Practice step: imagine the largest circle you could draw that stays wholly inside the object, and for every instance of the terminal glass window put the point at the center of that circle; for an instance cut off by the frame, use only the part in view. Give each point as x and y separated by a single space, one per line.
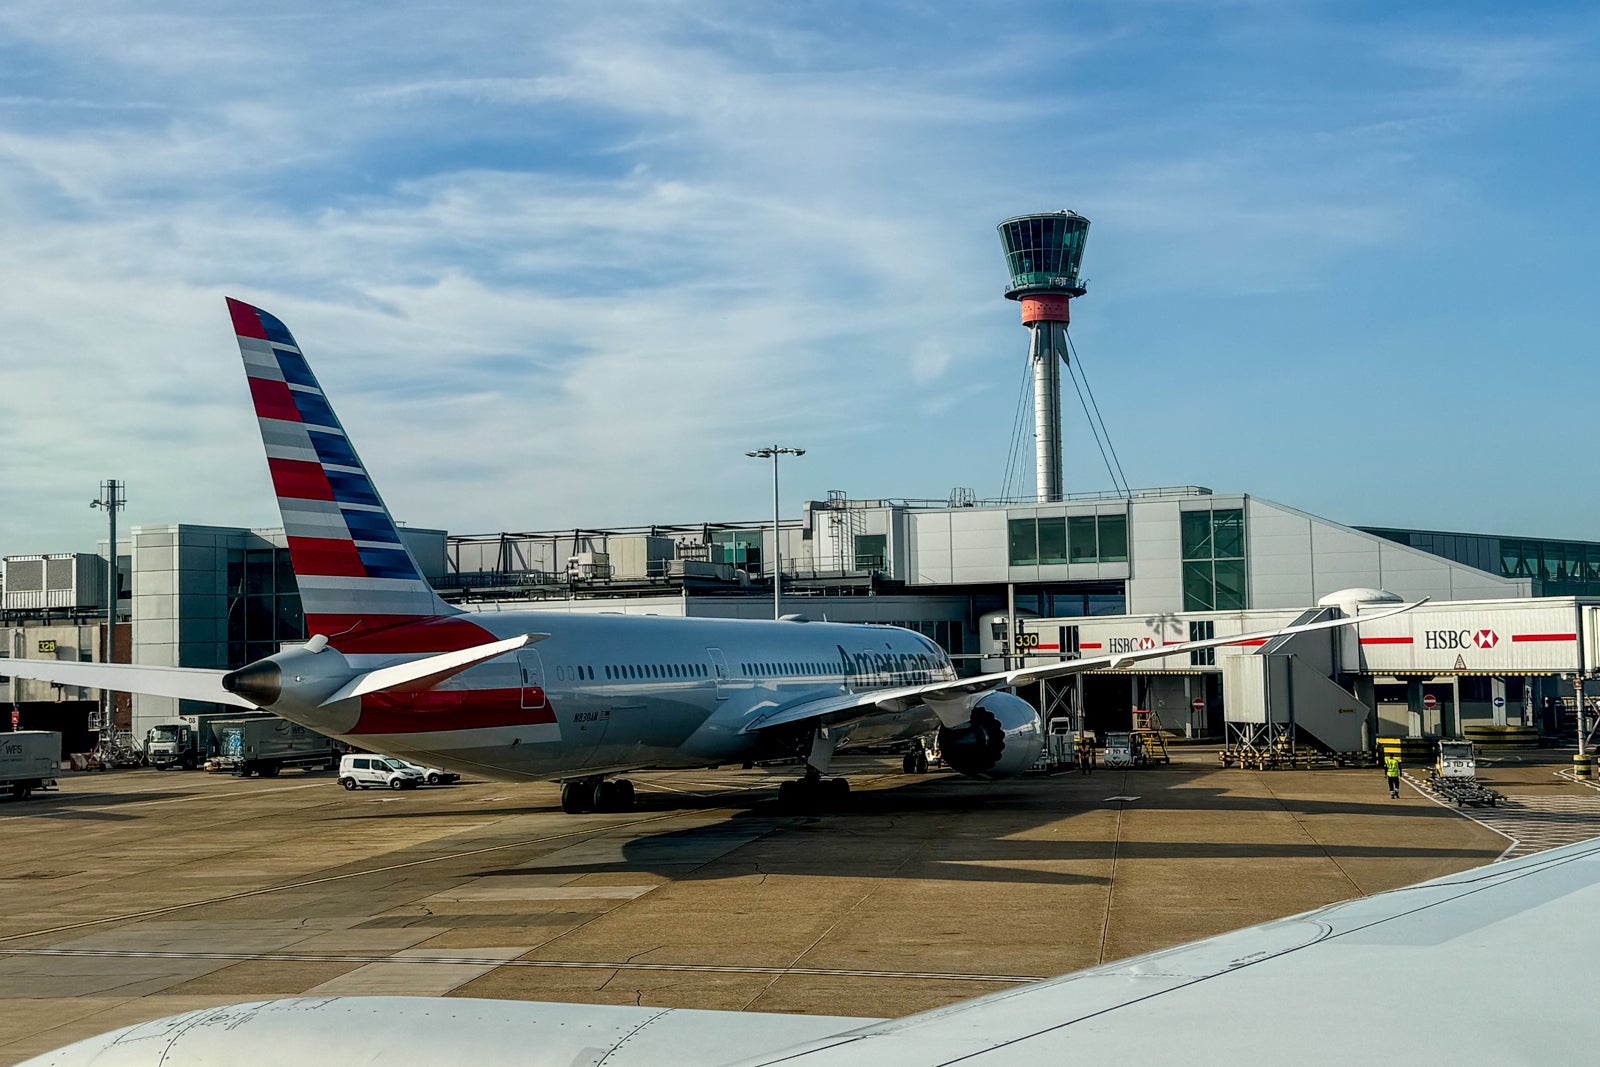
263 604
1074 539
1081 536
1053 540
1214 571
1113 538
1023 537
872 551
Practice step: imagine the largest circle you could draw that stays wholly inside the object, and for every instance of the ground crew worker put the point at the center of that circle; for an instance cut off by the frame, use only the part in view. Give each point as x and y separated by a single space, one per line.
1391 771
1085 755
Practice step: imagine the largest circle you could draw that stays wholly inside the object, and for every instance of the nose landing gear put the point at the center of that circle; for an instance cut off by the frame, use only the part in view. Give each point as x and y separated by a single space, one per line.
596 794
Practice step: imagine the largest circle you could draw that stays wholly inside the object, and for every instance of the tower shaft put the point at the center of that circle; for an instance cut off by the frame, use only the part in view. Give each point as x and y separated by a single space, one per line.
1047 355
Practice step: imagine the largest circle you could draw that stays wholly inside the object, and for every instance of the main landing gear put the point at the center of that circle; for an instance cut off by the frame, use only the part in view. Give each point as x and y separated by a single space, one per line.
814 792
915 761
596 794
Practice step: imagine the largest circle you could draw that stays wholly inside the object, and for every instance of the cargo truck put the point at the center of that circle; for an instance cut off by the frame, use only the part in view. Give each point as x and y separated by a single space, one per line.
266 745
29 760
189 740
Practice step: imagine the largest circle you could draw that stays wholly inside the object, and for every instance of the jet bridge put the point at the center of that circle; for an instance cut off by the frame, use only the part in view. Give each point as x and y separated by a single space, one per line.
1282 694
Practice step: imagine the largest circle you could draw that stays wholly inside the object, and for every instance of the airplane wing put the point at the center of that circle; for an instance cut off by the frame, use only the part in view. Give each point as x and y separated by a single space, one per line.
183 683
1489 966
1465 969
950 700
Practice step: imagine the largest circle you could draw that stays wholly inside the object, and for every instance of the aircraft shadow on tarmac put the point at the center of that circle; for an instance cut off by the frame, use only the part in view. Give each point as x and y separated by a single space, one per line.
86 807
991 847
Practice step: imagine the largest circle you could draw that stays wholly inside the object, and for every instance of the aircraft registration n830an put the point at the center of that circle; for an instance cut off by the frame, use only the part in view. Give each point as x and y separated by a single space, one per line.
553 696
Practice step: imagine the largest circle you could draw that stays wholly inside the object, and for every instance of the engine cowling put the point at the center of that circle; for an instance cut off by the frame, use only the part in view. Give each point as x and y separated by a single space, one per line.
1002 740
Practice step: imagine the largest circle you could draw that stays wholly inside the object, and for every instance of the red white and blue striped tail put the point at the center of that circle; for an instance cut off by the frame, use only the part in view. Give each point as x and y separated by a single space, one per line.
354 572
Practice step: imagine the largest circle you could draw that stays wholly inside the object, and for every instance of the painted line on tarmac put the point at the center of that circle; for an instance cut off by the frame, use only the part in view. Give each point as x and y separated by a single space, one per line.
1575 780
70 810
1426 795
487 961
306 883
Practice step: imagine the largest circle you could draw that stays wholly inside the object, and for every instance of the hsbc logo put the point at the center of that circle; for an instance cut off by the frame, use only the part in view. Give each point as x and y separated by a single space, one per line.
1451 640
1115 645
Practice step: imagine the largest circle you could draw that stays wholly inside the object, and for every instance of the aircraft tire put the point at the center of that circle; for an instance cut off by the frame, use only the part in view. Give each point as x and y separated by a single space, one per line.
837 790
578 797
622 792
908 763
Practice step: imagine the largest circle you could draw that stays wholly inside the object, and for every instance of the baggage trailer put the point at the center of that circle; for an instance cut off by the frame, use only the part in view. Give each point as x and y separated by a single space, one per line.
266 745
1455 776
29 760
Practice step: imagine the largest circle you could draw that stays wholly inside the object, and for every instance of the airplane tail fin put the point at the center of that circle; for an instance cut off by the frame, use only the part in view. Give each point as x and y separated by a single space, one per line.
355 573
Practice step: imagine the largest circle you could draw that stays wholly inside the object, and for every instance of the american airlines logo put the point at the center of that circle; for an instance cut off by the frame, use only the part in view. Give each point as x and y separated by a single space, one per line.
1130 644
1458 639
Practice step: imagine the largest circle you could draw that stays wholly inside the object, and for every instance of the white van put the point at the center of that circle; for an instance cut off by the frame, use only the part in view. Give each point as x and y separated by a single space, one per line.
358 772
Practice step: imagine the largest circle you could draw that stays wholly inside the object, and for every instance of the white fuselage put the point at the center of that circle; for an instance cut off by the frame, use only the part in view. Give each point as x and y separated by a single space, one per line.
605 693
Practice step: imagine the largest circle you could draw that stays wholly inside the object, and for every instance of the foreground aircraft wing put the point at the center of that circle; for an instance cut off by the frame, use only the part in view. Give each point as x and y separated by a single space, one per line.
1490 966
183 683
956 695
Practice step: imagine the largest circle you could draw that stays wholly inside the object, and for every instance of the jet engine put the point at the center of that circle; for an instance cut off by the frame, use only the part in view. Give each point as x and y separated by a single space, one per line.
1002 740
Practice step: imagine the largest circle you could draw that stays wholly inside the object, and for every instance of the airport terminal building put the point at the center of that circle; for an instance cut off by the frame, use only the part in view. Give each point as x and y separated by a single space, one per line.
1161 564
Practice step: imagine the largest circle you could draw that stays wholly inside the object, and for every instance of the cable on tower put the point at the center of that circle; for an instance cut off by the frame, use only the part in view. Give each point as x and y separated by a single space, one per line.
1119 480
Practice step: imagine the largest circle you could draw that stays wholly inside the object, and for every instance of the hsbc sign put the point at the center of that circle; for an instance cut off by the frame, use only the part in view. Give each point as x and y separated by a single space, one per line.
1115 645
1451 640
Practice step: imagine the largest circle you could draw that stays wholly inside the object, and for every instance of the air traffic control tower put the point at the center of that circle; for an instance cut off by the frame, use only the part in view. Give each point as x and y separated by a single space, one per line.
1043 253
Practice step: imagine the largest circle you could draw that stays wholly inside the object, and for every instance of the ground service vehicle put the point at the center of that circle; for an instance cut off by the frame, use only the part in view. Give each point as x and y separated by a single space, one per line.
359 772
434 775
266 745
172 744
189 740
29 760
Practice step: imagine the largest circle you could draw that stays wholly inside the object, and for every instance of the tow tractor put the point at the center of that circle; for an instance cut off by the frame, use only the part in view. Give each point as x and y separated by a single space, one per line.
1455 776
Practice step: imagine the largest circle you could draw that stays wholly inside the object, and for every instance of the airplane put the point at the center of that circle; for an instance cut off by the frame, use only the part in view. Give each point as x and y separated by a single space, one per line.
580 699
1489 966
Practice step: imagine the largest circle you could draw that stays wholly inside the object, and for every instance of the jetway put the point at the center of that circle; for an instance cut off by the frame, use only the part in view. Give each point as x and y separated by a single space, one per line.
1439 670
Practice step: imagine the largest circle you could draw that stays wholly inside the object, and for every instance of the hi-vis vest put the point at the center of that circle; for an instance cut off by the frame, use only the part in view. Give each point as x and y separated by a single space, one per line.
1391 766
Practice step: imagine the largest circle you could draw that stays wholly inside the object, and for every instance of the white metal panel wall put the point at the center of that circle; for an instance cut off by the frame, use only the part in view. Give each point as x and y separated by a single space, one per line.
929 548
1279 547
978 545
1244 689
1331 557
1155 554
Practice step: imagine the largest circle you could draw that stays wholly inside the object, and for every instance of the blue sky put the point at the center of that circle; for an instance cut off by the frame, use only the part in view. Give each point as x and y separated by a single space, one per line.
562 264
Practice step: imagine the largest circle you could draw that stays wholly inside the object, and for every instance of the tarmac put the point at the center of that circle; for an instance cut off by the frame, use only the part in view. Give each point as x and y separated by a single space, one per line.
134 894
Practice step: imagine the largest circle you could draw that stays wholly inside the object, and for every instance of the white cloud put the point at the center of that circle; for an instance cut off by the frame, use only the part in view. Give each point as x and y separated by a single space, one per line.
553 274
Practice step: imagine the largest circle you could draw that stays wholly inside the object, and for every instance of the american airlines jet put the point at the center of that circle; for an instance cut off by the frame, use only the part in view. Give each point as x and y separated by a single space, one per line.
578 699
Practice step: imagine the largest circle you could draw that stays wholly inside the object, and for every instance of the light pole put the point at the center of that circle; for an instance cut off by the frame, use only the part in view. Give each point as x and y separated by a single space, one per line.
113 496
773 452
